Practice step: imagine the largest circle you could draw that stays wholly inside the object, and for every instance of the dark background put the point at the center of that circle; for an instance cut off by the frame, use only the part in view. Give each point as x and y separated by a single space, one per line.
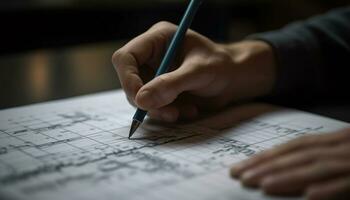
53 49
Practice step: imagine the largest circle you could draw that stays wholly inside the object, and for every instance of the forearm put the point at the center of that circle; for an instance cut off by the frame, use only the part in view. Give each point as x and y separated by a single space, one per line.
312 56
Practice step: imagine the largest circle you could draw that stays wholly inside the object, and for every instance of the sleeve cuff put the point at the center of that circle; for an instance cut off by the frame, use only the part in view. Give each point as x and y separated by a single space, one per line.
297 62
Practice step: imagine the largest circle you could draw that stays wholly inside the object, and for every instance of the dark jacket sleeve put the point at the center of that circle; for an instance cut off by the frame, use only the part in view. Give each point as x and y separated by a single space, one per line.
313 56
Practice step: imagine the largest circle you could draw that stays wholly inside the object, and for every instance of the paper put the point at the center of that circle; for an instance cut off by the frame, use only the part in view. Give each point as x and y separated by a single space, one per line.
78 149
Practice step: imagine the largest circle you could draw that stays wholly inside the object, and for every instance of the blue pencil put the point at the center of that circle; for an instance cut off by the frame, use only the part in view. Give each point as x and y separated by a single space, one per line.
169 56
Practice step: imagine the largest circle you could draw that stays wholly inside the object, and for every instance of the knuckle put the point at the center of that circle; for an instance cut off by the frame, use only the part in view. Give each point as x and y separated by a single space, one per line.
222 56
219 60
116 57
163 25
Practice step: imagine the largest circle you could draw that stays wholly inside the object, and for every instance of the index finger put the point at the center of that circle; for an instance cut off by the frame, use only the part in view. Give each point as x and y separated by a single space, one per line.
138 52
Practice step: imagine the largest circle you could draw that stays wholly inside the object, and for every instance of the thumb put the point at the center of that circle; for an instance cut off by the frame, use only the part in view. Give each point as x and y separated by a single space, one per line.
164 89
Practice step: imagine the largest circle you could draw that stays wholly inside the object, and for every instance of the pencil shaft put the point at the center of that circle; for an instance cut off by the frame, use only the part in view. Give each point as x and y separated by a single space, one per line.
179 36
171 52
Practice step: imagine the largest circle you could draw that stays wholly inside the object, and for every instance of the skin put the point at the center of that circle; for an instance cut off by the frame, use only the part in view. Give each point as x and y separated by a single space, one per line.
208 76
317 166
204 76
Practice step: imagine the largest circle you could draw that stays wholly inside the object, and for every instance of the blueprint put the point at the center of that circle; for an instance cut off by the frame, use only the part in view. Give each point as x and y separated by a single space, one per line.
78 149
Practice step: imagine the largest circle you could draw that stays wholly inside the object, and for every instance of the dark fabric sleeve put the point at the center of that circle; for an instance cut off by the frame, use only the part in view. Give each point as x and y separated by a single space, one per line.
313 56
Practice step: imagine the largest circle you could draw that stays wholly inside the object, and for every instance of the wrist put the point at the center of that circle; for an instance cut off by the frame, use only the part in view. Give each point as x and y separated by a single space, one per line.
254 67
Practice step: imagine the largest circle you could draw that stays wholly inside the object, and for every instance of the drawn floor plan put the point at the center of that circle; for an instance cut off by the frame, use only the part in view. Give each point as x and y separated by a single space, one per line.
78 149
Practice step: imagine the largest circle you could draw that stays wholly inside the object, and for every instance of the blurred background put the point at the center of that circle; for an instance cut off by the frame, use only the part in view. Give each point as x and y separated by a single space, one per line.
53 49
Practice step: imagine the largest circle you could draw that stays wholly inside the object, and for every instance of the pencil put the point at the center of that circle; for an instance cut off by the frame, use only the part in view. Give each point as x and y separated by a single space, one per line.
169 55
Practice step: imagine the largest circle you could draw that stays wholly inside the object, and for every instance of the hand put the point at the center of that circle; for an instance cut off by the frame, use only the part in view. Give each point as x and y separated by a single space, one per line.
317 165
205 75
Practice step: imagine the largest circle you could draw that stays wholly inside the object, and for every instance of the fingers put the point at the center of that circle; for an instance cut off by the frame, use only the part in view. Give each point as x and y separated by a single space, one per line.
144 49
168 113
163 90
304 163
295 145
254 176
294 181
338 189
174 112
128 73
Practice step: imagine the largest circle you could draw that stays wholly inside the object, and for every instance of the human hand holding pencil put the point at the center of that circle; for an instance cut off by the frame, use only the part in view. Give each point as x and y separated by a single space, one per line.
203 76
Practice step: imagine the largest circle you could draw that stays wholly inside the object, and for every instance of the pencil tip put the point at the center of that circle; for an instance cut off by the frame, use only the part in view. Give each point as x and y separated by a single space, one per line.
135 124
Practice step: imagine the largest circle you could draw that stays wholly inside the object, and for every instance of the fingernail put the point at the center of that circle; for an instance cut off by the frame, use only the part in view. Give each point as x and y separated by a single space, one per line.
236 170
145 100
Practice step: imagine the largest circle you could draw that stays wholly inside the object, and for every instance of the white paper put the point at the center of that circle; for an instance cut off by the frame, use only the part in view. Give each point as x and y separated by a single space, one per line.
78 149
